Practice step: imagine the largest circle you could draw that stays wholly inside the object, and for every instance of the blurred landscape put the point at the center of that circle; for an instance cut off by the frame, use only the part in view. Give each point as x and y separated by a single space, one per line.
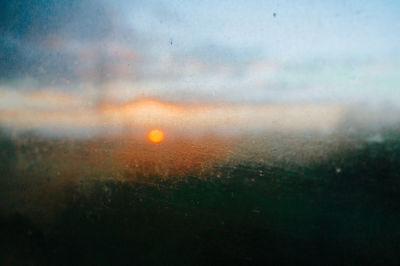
209 200
277 132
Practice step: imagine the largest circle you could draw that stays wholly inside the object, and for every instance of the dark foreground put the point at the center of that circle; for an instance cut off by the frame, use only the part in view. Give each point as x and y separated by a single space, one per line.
344 211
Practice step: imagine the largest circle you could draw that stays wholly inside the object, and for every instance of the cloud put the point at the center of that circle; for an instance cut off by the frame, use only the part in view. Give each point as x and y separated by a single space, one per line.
124 50
47 110
58 41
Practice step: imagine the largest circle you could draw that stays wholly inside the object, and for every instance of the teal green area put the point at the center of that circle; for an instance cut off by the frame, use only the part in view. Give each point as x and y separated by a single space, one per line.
343 211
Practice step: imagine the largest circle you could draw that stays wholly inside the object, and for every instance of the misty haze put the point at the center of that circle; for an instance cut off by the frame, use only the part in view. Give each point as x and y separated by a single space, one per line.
199 132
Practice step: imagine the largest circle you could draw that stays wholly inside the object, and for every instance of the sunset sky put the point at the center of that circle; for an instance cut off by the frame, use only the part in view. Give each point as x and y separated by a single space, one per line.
74 55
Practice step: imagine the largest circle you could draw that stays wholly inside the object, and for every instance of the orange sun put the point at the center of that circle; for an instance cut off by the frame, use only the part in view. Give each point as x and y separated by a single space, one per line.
156 136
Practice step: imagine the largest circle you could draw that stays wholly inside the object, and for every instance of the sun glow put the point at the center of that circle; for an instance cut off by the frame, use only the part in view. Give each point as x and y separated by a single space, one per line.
155 136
